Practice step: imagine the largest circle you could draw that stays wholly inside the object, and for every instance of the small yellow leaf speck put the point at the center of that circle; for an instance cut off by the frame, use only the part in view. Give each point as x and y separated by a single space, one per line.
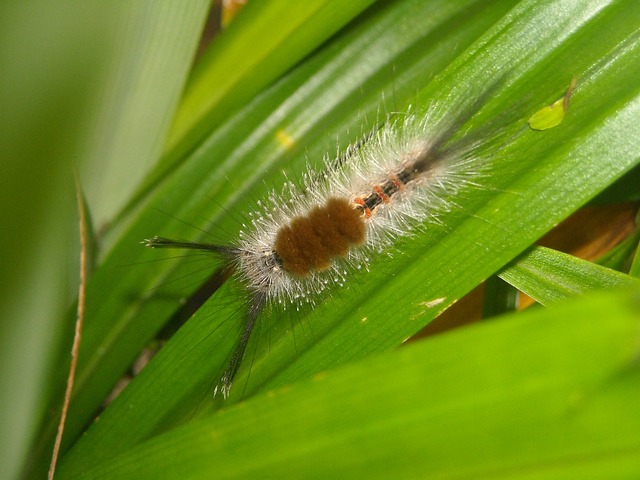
284 139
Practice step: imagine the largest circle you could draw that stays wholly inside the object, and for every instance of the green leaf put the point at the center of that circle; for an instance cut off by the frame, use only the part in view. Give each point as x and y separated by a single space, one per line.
548 276
549 394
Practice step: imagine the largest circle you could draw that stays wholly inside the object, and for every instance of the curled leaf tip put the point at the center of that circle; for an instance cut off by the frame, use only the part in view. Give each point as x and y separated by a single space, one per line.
552 115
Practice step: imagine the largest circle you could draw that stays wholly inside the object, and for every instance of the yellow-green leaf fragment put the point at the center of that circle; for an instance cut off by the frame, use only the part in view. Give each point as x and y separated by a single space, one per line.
552 115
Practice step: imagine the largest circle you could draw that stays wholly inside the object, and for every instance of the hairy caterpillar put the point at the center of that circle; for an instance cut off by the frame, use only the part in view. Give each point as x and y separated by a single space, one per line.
306 238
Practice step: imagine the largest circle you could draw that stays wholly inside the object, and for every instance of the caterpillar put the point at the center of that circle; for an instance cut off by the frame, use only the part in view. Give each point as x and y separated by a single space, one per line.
306 238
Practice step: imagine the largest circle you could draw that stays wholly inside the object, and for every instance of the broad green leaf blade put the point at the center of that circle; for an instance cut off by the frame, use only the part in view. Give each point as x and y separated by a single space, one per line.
548 276
153 51
535 180
133 293
549 394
